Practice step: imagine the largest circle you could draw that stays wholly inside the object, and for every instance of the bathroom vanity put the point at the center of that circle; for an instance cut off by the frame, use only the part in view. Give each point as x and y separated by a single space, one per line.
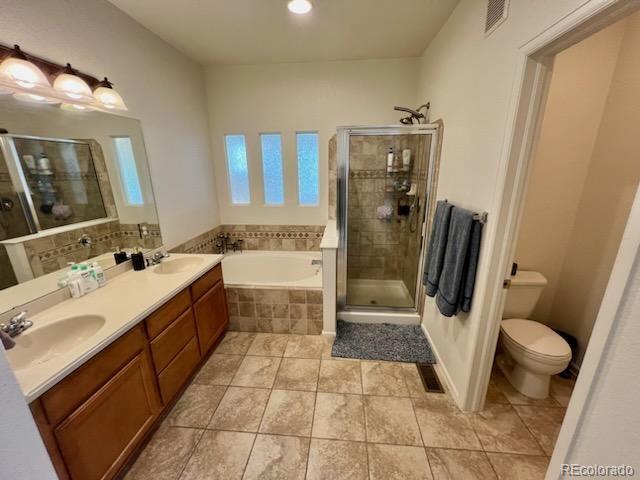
96 404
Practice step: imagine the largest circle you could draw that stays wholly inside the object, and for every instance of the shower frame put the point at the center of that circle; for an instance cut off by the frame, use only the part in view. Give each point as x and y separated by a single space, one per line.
382 313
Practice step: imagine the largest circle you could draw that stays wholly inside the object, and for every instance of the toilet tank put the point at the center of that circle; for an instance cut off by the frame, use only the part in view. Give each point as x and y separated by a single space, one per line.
522 296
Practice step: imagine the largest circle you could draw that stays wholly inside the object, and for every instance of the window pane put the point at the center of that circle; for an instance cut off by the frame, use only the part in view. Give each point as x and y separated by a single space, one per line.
128 171
308 168
238 169
272 168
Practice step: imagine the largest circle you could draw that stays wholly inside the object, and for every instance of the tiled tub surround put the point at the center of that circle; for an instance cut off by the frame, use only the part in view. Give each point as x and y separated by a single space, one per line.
279 406
301 238
275 310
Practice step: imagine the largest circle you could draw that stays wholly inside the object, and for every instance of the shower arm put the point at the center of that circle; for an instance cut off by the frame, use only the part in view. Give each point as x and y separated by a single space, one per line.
414 114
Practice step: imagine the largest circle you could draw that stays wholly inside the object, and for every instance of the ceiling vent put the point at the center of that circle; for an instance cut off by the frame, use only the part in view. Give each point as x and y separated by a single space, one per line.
497 11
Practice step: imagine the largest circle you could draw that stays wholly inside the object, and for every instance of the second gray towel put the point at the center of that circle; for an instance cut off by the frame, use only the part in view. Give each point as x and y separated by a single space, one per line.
437 247
454 268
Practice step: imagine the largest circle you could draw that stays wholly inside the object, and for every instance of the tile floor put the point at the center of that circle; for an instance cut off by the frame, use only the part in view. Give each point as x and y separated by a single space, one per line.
269 406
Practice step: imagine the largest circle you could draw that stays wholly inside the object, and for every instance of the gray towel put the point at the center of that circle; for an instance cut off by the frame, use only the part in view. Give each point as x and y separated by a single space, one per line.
469 277
437 247
450 287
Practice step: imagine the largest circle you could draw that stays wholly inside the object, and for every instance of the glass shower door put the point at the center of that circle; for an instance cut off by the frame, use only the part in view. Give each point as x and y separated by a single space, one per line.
384 211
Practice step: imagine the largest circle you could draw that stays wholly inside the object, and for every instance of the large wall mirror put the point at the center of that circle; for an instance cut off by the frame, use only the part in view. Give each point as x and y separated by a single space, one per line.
74 186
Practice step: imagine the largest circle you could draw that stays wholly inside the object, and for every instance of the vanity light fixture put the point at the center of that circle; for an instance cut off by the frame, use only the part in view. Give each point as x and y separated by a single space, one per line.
74 107
17 71
35 98
299 7
70 85
108 97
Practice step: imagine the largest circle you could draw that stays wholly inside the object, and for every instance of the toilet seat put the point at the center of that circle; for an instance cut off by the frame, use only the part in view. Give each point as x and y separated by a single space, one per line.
535 340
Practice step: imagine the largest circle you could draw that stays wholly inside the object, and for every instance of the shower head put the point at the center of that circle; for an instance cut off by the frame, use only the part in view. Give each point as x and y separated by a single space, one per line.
413 114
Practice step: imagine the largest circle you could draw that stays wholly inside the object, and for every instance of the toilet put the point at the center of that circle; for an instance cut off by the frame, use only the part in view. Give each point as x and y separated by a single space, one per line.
533 352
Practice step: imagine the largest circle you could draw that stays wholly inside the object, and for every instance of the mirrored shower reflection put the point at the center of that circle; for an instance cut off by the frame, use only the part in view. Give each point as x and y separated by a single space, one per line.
385 209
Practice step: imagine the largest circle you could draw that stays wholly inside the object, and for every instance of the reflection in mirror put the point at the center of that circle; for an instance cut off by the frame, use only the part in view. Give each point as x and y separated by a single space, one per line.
74 186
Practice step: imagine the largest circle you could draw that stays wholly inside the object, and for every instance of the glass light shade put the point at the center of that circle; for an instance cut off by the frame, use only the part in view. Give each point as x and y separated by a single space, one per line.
74 107
34 98
109 98
5 90
22 73
73 87
299 7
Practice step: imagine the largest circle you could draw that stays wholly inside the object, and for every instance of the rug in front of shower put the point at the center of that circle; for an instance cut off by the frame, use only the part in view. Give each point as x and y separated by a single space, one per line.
382 341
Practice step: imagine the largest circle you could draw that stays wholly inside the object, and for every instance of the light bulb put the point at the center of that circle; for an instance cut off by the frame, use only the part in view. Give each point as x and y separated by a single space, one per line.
299 7
72 86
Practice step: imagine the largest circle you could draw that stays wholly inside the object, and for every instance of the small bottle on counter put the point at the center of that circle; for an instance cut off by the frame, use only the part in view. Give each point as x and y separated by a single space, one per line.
120 256
137 259
98 273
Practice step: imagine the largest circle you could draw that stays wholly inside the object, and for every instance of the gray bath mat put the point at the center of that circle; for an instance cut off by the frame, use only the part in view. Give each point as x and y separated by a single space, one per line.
369 341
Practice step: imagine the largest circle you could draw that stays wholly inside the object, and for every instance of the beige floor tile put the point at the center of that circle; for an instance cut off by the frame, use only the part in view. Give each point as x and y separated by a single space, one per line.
259 372
393 462
443 425
298 374
327 345
166 454
289 413
391 420
515 397
459 464
495 395
268 345
561 389
340 376
196 406
236 343
519 467
413 380
304 346
240 409
334 459
383 378
276 457
339 416
219 456
544 423
500 430
219 370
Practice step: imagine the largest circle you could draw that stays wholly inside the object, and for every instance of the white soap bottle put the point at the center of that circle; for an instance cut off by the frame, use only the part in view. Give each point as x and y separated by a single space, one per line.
98 274
89 282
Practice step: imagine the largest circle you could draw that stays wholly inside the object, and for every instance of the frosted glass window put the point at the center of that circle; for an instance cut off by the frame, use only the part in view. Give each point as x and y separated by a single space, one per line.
272 168
307 144
238 169
128 171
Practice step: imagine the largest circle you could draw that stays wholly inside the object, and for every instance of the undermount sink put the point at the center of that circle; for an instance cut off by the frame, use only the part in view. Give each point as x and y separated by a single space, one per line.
42 344
177 265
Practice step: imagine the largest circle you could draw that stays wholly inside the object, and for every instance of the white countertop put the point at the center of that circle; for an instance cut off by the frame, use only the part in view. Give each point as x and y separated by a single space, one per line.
124 301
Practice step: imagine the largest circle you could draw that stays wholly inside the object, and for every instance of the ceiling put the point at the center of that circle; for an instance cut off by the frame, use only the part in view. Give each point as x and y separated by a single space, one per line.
215 32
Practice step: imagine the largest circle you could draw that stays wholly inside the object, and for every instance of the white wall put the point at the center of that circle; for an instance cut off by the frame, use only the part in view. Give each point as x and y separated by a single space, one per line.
292 97
161 87
469 79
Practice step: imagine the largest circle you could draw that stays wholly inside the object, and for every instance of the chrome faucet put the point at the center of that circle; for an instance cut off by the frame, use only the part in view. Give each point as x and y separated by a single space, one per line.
224 244
85 240
157 258
17 324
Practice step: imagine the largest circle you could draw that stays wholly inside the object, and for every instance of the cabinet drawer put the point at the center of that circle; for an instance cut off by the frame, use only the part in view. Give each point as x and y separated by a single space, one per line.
161 318
205 282
70 392
97 438
173 339
179 370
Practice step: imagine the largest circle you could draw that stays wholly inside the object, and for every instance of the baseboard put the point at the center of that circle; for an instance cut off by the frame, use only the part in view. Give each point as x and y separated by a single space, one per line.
442 369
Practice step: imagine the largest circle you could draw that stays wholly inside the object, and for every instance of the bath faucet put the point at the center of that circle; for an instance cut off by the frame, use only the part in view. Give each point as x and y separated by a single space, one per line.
17 324
157 258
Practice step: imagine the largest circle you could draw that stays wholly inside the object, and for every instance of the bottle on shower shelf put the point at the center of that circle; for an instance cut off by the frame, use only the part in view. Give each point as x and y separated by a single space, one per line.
390 160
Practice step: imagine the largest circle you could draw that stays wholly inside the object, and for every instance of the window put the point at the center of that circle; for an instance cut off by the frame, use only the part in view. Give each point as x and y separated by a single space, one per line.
128 171
238 169
272 168
307 147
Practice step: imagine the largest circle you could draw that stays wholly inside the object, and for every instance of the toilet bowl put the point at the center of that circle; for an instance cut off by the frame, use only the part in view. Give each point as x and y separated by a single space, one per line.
533 353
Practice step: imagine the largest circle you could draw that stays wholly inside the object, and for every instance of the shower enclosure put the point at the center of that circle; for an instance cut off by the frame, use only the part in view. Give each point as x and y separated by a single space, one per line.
386 179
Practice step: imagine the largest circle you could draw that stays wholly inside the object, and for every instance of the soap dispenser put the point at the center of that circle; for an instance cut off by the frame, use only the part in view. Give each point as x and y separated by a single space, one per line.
119 256
137 259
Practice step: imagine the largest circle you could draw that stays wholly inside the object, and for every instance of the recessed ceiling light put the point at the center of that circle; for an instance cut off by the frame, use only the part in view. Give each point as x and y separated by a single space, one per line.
300 7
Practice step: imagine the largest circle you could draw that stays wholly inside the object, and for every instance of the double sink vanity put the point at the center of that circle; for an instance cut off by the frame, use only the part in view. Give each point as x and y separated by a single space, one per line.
99 372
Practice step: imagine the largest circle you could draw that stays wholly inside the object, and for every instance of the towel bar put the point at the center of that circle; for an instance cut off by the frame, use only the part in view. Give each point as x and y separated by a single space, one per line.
481 217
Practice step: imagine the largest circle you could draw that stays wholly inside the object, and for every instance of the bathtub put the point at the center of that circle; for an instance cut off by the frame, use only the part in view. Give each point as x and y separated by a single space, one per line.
274 292
272 269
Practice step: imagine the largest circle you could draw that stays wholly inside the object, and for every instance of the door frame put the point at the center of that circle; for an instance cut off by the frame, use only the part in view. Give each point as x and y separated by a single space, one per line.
534 70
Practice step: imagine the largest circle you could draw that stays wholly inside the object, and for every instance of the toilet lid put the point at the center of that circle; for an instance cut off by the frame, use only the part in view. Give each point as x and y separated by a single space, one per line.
536 337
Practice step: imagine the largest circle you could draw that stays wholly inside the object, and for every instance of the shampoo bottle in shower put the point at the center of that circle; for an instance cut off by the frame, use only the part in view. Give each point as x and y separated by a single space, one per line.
390 160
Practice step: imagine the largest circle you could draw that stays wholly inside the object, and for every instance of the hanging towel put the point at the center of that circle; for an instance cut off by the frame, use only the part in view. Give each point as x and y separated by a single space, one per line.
7 342
451 284
469 277
437 247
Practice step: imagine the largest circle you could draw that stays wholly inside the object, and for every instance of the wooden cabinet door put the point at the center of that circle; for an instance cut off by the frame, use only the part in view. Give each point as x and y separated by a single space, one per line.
97 437
211 316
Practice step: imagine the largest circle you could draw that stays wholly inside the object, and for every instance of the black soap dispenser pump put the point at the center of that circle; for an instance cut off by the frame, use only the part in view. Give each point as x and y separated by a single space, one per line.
120 256
137 259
